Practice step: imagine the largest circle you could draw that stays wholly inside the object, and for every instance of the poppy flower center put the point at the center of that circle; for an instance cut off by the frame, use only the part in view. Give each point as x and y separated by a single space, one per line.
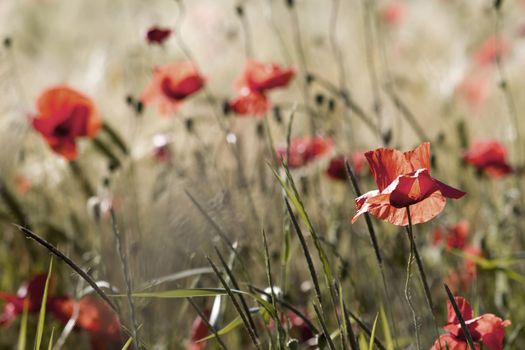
62 130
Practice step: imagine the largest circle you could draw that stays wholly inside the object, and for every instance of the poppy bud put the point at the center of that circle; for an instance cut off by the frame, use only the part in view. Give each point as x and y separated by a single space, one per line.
497 4
106 182
189 124
240 10
8 42
290 3
441 138
387 136
309 78
260 129
93 206
130 100
319 99
113 165
331 105
277 114
226 109
139 107
433 161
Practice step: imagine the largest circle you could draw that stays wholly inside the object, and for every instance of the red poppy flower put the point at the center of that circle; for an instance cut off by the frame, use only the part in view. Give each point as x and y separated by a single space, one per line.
296 326
171 84
336 168
256 80
304 150
403 180
157 35
250 103
393 13
33 291
261 77
63 116
454 235
490 50
487 330
488 156
94 316
199 330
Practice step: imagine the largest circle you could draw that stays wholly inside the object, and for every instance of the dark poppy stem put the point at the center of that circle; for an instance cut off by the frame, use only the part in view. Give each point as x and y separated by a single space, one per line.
464 327
422 274
408 294
30 234
373 239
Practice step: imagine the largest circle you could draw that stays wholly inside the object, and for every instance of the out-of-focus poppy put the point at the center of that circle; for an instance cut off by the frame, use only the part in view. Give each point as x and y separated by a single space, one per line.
488 156
94 316
474 90
394 12
261 77
461 279
455 236
490 50
171 85
249 103
64 115
305 150
403 180
33 291
487 330
336 168
157 35
256 80
199 330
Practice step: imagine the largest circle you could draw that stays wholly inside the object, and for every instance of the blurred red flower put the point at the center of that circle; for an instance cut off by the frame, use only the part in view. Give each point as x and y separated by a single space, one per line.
199 330
171 84
94 316
461 279
33 291
487 330
490 50
394 12
488 156
64 115
304 150
474 90
257 79
157 35
403 180
249 103
261 77
336 168
455 235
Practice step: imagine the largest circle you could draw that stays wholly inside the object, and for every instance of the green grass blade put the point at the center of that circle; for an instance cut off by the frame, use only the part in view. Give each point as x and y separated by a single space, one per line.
23 327
182 293
128 343
50 345
42 315
373 335
236 323
389 343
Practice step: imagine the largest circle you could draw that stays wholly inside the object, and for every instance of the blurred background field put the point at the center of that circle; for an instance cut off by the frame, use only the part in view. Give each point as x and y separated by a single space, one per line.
448 72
